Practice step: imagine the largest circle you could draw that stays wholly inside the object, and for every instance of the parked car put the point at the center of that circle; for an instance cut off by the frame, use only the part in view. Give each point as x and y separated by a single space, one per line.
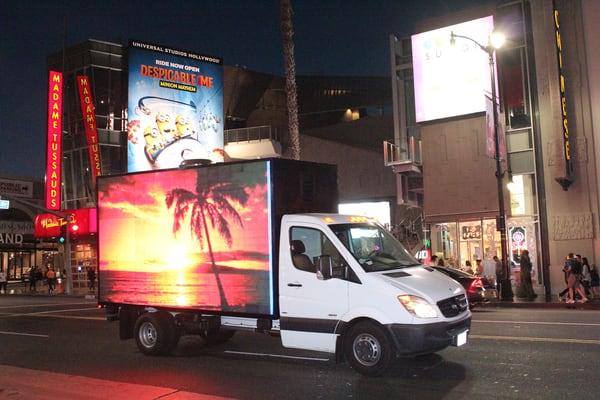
479 290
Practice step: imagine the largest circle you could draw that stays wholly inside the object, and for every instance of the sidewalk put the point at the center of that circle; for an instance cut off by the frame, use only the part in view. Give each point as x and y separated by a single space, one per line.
541 302
20 383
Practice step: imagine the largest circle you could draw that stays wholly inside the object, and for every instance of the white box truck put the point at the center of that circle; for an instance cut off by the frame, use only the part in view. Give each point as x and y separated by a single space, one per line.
257 245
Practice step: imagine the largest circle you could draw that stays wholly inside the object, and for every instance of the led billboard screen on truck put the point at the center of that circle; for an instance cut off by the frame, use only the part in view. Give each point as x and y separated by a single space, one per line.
195 238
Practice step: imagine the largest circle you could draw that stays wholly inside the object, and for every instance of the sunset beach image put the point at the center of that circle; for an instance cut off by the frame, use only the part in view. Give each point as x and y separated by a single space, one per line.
194 238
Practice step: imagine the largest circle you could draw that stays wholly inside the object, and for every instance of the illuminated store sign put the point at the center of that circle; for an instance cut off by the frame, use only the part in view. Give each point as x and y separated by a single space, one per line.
563 99
89 122
175 107
471 232
54 141
451 80
49 225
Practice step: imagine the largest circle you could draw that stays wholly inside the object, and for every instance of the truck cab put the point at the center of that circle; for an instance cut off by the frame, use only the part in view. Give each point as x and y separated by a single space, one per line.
347 286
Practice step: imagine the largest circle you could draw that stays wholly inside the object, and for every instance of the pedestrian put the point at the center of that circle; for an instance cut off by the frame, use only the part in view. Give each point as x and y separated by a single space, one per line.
574 268
468 267
525 289
32 279
3 281
499 273
440 262
478 268
434 261
51 277
91 275
595 281
563 294
586 276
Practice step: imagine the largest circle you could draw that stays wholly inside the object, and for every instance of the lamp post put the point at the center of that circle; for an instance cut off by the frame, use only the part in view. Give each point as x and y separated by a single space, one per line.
496 40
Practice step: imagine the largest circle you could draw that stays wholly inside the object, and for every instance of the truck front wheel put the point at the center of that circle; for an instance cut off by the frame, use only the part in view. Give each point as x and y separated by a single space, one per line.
368 349
156 333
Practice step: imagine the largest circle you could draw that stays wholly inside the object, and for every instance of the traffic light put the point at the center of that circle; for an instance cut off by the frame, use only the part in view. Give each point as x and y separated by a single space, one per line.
63 234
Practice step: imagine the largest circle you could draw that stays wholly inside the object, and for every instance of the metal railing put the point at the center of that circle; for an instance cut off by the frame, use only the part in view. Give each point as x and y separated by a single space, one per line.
392 153
254 133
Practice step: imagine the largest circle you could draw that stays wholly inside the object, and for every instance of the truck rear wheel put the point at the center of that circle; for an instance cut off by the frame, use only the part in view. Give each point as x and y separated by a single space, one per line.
368 349
156 333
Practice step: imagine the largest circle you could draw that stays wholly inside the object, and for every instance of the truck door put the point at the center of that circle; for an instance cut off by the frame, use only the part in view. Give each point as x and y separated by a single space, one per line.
310 308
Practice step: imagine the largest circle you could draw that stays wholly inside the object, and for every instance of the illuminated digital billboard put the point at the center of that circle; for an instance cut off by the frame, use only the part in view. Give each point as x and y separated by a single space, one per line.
451 80
175 107
191 238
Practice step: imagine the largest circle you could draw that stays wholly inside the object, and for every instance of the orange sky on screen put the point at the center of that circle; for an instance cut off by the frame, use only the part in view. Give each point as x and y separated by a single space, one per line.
136 227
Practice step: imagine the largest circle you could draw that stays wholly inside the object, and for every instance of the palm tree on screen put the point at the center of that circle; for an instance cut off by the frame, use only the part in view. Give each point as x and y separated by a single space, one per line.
211 203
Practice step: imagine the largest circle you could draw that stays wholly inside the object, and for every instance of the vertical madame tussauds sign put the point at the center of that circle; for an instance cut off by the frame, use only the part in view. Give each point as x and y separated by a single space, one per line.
54 140
89 122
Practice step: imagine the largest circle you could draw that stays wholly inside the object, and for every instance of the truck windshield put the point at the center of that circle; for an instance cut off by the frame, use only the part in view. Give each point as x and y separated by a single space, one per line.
373 247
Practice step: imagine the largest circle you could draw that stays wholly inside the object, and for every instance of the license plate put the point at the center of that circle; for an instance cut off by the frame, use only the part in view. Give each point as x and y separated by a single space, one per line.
461 339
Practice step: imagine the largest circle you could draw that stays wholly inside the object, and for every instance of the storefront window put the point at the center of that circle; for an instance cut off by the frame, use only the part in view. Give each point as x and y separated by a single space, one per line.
471 249
444 243
522 235
522 195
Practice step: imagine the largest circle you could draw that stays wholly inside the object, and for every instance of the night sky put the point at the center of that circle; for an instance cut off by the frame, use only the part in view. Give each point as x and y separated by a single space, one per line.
332 37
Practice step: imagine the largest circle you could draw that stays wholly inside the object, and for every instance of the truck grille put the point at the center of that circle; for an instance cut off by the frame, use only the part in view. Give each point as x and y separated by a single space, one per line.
453 306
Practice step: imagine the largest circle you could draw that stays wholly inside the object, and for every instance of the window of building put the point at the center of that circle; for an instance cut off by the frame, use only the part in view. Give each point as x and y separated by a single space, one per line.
444 241
522 195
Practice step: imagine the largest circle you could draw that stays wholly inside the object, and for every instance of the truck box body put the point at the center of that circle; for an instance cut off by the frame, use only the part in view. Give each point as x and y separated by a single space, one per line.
204 238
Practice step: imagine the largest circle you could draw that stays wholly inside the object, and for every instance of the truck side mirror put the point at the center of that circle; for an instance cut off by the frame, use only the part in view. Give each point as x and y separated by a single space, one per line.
324 266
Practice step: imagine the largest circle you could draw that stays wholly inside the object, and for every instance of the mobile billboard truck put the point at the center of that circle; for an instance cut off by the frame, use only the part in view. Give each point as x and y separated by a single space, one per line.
256 246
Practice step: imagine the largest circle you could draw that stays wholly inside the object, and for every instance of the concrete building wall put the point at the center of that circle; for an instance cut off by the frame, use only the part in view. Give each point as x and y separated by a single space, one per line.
459 179
573 213
361 173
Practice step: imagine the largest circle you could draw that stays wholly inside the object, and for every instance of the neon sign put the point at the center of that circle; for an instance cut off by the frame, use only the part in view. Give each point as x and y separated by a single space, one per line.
54 141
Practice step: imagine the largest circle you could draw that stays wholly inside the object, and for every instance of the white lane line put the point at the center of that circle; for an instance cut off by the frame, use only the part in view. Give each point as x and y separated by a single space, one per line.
51 312
23 334
70 317
276 355
537 323
45 304
535 339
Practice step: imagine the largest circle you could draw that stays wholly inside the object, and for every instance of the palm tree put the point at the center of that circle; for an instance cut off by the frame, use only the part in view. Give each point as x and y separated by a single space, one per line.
287 31
211 202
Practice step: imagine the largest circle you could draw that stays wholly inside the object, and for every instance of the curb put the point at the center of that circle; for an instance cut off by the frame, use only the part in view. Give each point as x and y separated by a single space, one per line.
594 305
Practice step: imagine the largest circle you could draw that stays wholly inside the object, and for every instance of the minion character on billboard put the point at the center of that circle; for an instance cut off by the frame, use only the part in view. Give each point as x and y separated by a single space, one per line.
177 102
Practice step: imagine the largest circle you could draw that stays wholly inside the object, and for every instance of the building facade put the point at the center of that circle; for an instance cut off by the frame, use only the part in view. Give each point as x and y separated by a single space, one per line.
343 121
548 101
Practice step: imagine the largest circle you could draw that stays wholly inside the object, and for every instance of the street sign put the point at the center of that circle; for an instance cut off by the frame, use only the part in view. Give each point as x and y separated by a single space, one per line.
4 204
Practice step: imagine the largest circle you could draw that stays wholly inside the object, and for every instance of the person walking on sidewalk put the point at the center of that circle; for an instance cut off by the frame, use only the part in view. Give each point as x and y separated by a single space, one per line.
586 276
595 281
574 269
91 275
525 289
3 281
51 277
32 279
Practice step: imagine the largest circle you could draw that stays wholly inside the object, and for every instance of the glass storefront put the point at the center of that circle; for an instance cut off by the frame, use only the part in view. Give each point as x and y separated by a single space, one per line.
468 241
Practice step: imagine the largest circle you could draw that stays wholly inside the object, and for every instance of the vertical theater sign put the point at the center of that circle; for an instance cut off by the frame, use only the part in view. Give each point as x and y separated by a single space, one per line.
89 122
54 140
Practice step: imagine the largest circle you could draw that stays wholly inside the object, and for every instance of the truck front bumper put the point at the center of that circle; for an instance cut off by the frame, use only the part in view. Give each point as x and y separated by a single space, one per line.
426 338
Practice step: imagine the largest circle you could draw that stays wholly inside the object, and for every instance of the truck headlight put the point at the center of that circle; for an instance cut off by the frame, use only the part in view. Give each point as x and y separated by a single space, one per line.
418 306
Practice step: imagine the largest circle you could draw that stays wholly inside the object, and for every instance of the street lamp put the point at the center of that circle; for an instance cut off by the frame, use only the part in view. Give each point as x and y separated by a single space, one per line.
495 41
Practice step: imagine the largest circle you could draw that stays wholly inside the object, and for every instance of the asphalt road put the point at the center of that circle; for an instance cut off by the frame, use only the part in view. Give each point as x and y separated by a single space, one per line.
511 354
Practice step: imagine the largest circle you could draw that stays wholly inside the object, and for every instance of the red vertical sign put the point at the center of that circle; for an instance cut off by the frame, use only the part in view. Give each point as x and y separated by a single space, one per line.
54 141
89 121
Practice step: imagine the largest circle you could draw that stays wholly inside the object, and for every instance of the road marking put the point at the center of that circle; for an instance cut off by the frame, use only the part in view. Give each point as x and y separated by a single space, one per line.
535 339
537 323
23 334
46 304
49 314
276 355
